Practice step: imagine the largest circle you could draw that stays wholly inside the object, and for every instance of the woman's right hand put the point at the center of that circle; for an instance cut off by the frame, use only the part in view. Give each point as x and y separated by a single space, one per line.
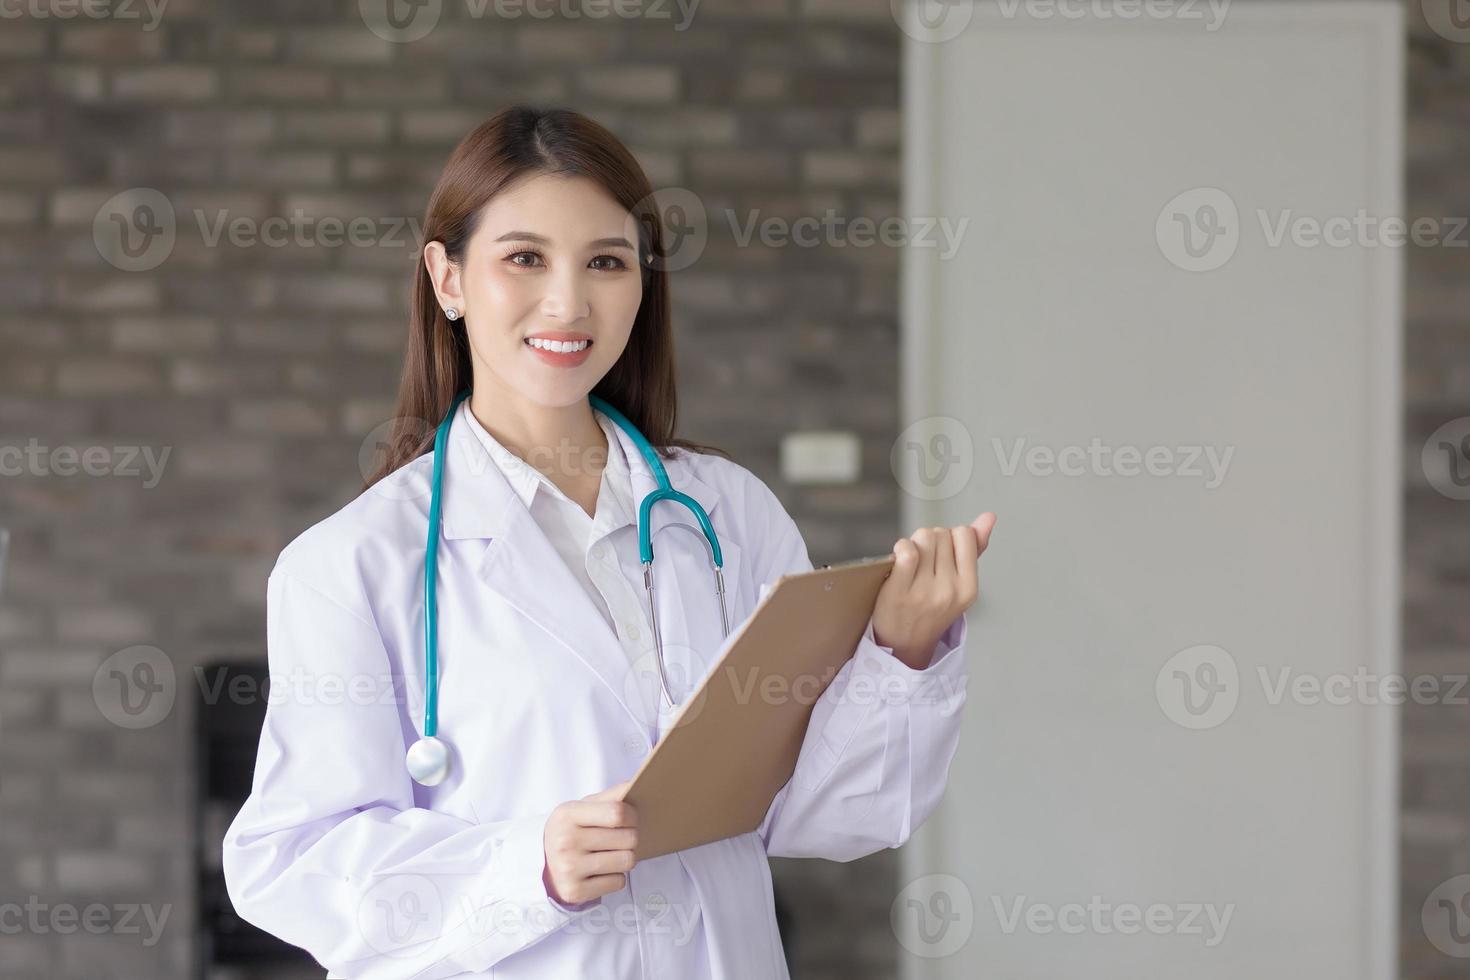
589 846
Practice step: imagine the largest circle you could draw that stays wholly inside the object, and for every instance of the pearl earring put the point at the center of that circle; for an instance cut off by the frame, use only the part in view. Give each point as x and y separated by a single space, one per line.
452 313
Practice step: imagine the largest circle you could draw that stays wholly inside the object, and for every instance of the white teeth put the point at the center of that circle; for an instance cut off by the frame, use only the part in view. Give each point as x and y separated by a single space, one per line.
558 346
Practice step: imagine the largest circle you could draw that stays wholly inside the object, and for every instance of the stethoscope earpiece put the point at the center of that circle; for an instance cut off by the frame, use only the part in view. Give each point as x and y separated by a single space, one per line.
428 758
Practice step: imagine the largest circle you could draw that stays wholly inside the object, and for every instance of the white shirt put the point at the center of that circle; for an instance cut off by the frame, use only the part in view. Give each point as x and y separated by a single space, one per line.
577 537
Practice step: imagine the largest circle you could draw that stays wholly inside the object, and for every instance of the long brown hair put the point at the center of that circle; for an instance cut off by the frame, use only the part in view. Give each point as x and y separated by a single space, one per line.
516 142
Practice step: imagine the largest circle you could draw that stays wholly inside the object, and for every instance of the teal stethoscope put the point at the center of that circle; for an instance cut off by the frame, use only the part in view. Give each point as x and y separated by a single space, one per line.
428 758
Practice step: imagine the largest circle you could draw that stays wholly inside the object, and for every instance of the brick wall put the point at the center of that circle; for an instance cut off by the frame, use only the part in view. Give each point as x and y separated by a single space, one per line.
260 369
1436 611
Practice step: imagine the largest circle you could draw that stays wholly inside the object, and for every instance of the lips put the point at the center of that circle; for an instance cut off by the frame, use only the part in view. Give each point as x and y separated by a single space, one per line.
560 358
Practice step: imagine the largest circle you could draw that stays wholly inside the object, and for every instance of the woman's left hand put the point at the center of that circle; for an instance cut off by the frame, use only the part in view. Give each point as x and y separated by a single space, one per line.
934 579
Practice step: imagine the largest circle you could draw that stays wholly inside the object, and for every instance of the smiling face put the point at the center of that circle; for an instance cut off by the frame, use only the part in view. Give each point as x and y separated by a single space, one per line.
548 290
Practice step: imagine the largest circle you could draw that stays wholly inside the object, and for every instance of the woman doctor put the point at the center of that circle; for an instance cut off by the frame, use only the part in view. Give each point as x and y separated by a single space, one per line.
509 855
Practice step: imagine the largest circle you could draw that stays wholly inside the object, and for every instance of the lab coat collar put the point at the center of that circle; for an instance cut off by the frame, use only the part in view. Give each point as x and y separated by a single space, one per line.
520 564
614 511
480 501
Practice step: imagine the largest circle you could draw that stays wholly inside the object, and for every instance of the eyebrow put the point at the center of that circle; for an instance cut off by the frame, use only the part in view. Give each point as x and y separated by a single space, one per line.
531 236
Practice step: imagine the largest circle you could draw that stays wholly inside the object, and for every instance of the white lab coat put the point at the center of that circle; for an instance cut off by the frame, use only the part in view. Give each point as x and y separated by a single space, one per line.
338 851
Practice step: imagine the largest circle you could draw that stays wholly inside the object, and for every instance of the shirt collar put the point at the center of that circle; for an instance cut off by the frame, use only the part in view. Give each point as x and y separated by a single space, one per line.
526 480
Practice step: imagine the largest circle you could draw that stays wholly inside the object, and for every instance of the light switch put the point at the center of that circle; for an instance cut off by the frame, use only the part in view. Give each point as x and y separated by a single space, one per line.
821 457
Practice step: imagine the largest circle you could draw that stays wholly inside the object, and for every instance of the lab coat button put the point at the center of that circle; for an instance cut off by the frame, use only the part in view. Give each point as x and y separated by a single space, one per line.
598 550
632 631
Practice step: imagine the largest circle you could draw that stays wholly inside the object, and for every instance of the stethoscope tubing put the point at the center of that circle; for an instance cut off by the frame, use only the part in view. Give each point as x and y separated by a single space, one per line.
428 757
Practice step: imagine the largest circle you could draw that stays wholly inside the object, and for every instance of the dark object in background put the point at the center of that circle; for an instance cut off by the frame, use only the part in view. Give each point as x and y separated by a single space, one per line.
226 733
786 926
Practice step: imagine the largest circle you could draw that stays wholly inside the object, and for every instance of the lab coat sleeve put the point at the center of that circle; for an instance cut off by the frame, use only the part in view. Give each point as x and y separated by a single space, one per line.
330 852
877 751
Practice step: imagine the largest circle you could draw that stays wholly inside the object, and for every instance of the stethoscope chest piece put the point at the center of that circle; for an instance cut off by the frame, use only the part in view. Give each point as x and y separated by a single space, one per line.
428 761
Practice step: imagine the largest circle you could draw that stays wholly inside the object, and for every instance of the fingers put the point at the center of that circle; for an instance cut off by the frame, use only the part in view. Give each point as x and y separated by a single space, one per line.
943 553
983 525
603 813
905 565
966 558
608 838
948 554
596 863
924 539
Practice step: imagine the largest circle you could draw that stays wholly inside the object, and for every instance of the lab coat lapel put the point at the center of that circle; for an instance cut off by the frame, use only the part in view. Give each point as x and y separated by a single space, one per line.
520 564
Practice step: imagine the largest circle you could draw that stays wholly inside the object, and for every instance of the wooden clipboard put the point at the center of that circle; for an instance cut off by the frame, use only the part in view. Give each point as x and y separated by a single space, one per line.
733 743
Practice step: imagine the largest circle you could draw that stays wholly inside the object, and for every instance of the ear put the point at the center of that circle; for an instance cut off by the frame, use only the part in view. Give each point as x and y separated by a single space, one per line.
444 275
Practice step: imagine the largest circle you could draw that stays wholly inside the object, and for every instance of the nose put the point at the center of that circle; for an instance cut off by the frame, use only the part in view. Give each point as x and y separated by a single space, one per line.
566 295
